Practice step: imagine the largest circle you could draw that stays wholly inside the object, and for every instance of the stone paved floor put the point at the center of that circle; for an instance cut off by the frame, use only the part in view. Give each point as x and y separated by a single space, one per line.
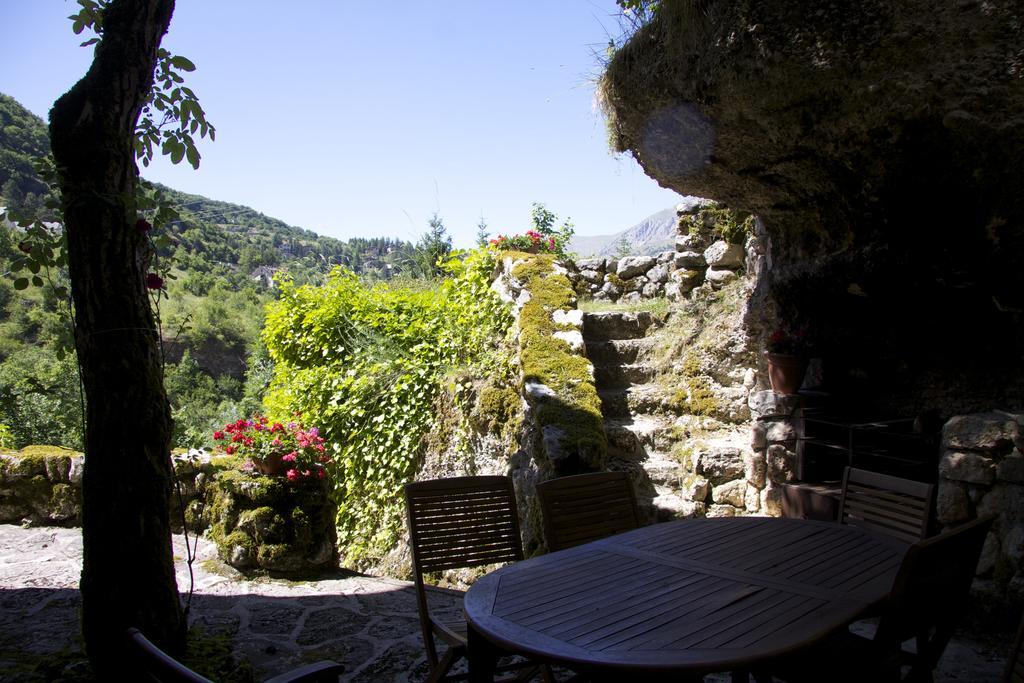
369 624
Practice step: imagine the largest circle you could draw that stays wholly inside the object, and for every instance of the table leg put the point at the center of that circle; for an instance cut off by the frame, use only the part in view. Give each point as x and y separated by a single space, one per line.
481 656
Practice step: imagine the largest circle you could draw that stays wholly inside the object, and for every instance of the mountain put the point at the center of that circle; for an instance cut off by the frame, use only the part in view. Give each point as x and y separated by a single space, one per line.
652 235
223 257
212 231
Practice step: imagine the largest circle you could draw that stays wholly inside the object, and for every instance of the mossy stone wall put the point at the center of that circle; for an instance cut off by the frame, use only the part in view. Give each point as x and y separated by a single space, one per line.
268 523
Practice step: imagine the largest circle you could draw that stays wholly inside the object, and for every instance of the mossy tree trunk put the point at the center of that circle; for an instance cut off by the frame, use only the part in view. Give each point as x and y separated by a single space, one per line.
128 572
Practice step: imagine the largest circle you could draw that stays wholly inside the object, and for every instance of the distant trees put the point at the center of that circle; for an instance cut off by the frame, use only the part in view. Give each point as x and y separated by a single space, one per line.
431 248
483 233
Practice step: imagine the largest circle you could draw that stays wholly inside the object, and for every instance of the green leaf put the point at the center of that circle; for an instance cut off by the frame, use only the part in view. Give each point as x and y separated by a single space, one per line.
183 63
193 156
37 281
91 41
21 283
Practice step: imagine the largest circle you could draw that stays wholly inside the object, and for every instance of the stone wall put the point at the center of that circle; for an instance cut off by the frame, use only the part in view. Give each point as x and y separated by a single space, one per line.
981 472
701 255
42 486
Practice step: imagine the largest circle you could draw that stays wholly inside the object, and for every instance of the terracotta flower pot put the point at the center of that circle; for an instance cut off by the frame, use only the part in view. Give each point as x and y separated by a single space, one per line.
273 464
786 372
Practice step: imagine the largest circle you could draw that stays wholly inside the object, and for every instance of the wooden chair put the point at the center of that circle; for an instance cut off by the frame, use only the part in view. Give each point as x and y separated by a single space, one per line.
458 523
890 505
929 595
1015 662
586 507
155 666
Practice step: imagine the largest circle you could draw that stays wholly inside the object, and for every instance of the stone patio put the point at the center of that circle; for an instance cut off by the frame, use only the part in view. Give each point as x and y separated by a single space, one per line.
368 624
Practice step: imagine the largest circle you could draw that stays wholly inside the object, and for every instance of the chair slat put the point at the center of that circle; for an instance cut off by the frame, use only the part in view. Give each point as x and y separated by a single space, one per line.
892 505
586 507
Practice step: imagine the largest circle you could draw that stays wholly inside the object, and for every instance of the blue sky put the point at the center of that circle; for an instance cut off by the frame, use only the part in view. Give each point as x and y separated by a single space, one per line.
363 119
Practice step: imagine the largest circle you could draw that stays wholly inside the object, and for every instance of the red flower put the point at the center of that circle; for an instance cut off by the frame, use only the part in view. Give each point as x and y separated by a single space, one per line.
142 225
217 436
230 450
236 437
320 474
154 281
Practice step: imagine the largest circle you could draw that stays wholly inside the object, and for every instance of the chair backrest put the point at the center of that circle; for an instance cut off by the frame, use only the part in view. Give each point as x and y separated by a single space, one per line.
152 665
586 507
155 665
932 589
462 522
891 505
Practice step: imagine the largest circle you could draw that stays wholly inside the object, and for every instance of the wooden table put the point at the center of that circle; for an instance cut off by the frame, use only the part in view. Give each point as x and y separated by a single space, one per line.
687 597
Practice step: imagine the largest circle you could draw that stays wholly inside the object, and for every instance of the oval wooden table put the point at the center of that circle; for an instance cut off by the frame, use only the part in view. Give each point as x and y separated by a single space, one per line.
682 598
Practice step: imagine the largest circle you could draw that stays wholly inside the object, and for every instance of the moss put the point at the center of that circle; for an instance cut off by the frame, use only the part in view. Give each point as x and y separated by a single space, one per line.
212 656
616 280
302 529
265 524
550 361
702 399
236 539
497 408
45 452
226 462
276 555
259 489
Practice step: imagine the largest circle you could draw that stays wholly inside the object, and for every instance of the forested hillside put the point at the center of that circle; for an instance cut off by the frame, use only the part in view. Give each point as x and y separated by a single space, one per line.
224 257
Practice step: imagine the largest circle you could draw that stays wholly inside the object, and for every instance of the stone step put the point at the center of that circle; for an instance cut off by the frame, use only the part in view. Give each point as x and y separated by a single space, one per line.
607 376
618 351
622 402
616 325
631 434
664 471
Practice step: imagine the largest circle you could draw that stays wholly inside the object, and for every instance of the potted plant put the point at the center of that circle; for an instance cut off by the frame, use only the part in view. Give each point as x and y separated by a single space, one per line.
275 448
787 360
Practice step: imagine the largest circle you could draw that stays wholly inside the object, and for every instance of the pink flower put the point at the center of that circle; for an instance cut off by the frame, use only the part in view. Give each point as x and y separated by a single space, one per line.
320 474
275 442
293 475
154 281
291 457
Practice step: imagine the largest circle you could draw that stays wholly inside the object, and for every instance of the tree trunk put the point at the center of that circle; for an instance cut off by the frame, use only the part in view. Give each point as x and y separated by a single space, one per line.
128 572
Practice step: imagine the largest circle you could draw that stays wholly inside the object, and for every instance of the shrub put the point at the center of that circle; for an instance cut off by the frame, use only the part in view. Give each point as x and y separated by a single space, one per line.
365 364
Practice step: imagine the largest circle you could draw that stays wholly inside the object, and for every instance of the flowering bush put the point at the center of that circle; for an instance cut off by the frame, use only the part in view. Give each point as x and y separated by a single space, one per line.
276 448
532 242
543 238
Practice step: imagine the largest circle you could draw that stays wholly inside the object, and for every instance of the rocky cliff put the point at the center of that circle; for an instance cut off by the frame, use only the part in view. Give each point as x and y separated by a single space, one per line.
878 142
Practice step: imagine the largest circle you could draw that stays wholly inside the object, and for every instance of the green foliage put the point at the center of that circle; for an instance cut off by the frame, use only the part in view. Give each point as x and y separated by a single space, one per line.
23 139
171 115
364 363
6 438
